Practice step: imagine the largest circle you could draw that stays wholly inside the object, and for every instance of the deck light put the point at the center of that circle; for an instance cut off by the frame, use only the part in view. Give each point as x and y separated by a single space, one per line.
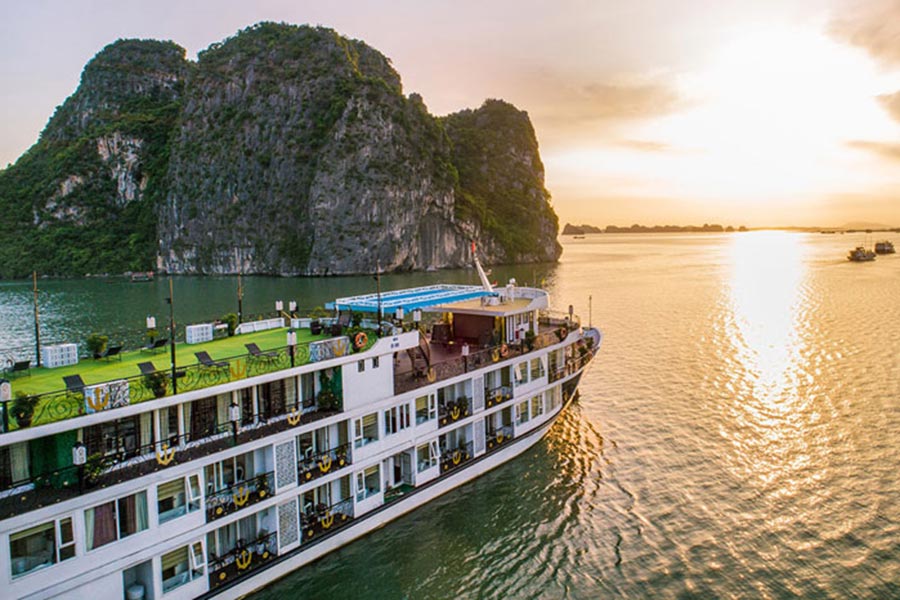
79 459
279 305
291 342
292 306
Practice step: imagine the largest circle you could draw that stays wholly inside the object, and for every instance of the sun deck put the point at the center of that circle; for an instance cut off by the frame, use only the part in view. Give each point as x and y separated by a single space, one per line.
54 402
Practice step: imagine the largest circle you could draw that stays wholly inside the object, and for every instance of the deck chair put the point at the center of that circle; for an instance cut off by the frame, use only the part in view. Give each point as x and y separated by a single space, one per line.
207 361
255 352
147 368
20 366
74 384
113 351
157 345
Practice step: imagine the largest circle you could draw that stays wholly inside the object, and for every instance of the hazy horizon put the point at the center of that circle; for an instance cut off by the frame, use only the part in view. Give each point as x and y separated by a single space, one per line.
776 114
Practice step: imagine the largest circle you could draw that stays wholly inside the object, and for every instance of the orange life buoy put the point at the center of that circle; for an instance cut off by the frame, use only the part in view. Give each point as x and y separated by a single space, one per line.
360 340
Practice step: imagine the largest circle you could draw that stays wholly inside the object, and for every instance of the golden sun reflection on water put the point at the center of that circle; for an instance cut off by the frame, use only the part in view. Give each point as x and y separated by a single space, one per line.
766 325
767 271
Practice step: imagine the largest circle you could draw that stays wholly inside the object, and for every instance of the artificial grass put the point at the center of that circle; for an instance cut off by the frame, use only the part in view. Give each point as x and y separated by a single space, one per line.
43 380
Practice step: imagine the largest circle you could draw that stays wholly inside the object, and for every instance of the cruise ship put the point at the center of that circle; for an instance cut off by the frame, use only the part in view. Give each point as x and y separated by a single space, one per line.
201 471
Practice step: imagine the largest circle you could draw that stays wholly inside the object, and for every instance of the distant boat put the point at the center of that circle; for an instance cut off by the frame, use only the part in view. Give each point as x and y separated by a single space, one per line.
860 254
884 247
140 276
578 237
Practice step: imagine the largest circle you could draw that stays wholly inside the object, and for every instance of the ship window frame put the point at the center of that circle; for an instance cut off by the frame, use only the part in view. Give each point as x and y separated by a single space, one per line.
194 568
362 477
360 426
522 414
430 408
537 406
56 548
120 534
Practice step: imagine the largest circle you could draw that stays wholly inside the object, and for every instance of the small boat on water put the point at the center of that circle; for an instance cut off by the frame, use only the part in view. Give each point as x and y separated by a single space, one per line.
139 276
578 237
884 247
860 254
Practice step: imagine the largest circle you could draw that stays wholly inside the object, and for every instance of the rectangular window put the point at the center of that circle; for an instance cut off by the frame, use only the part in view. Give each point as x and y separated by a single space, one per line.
368 482
396 419
537 406
360 366
522 412
427 456
182 566
178 497
115 520
426 408
375 362
41 546
520 370
537 368
365 430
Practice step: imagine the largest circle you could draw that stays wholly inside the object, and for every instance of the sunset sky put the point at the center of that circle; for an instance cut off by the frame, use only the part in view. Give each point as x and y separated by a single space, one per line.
771 112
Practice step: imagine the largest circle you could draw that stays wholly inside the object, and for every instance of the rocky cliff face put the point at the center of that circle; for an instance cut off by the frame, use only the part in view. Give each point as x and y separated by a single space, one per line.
284 149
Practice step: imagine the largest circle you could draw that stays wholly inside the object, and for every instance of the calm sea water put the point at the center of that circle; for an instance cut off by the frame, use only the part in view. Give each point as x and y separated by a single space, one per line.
735 438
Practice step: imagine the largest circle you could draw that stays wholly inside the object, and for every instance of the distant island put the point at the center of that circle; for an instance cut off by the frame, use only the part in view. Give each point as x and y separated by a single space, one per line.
570 229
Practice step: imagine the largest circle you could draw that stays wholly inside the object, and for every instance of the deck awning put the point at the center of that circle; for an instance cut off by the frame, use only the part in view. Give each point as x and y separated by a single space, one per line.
411 298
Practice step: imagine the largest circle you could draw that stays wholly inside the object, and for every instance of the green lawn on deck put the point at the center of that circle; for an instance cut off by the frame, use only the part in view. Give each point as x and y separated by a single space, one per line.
93 371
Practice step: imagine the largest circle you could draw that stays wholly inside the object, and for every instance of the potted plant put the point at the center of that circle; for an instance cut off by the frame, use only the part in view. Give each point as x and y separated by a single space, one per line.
23 408
157 382
327 400
231 320
96 344
529 340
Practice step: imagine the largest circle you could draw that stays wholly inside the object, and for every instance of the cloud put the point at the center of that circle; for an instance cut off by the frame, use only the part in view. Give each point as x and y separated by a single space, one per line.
882 149
891 103
873 25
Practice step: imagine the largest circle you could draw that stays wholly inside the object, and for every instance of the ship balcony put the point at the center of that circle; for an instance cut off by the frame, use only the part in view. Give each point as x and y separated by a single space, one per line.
498 395
447 359
239 496
244 559
314 466
452 411
322 519
498 438
456 457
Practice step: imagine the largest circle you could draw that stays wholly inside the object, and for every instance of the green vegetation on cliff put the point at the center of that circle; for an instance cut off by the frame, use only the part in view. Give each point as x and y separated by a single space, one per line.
283 149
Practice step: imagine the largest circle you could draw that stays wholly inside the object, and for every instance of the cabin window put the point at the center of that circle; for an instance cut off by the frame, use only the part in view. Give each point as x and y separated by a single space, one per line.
365 430
123 437
360 366
520 370
537 406
368 482
537 368
182 566
522 412
178 497
41 546
115 520
396 419
426 408
427 455
375 362
554 398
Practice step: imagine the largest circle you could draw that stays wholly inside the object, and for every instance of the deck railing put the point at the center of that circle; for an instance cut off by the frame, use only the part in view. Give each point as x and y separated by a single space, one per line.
59 405
498 395
239 496
245 558
453 410
329 461
322 519
456 457
498 437
458 365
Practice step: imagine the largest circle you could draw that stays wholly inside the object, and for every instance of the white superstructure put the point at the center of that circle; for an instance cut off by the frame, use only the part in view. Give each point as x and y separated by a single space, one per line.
240 478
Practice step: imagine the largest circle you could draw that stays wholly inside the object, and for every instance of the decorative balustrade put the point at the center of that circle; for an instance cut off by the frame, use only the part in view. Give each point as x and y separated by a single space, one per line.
456 457
329 461
245 558
239 496
317 521
458 365
498 395
58 405
452 411
498 437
